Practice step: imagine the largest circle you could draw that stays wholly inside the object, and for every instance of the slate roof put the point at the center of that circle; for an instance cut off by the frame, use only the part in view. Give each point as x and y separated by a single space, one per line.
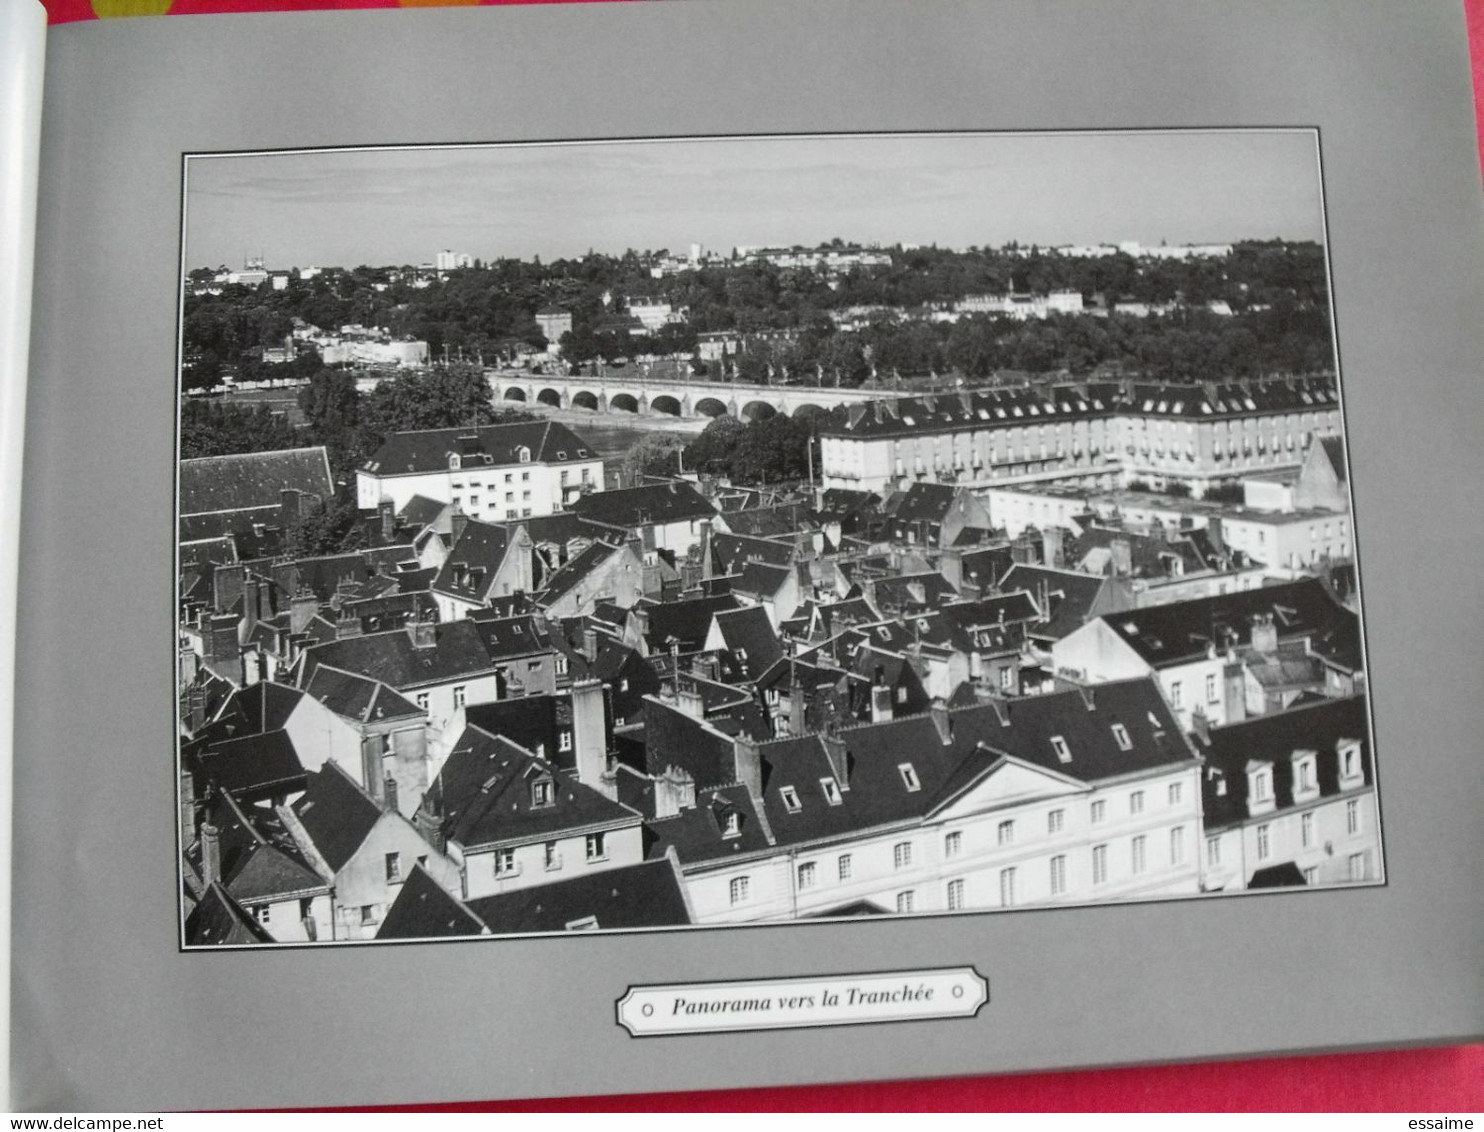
646 895
357 697
255 766
421 512
731 552
260 861
254 479
639 506
218 920
1066 597
337 815
264 706
1334 449
902 592
687 621
984 567
532 723
1168 634
764 522
760 580
750 631
424 910
390 657
699 833
484 796
570 576
1315 726
473 561
427 450
925 503
508 638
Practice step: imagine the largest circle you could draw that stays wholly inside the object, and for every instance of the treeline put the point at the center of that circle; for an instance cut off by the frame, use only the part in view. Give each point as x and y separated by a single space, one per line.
488 311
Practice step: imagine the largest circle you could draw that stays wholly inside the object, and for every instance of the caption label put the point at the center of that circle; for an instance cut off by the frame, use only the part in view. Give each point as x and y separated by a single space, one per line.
825 1000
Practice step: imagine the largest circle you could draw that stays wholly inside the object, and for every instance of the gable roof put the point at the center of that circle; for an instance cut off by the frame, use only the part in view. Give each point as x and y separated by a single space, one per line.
731 552
570 576
218 920
640 506
925 503
337 815
424 910
646 895
473 561
686 621
1065 597
253 479
391 658
357 697
427 450
258 765
749 634
260 861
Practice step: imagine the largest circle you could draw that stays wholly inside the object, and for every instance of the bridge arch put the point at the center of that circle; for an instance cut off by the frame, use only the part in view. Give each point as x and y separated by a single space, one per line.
627 402
711 407
549 396
758 410
514 393
806 410
664 403
583 399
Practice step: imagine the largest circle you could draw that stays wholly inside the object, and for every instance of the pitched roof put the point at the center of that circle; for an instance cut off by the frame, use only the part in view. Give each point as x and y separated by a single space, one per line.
259 858
760 580
473 561
731 552
424 910
570 576
391 658
506 638
217 919
686 621
428 450
1334 449
420 511
639 506
337 815
750 637
258 765
699 833
357 697
646 895
253 479
925 503
1064 596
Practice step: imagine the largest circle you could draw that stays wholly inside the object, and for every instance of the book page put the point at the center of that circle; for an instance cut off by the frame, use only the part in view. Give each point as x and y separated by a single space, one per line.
261 176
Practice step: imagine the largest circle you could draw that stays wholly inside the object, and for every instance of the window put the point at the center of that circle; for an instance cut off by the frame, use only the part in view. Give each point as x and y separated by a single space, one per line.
1213 851
955 895
523 455
1099 811
737 890
368 913
562 665
732 826
1099 864
1136 802
901 855
1348 762
831 791
422 701
1306 830
597 847
564 740
1058 875
1005 833
1007 888
1063 752
902 694
459 694
807 873
1352 816
542 792
846 866
1177 845
909 777
1260 786
1056 821
953 844
904 902
1356 869
261 913
1137 855
552 855
505 863
1177 793
790 798
1264 842
1120 736
1176 694
1311 875
1211 697
1305 774
393 868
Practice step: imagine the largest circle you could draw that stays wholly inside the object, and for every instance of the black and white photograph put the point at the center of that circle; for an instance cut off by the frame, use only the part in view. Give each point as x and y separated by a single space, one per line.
672 533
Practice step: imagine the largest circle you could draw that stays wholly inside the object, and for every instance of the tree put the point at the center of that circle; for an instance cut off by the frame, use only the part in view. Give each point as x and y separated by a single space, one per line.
326 531
331 405
211 428
443 397
712 451
771 449
657 454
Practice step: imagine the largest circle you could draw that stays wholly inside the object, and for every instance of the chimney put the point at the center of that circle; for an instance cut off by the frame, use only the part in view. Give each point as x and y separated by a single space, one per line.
1264 634
796 702
835 751
226 586
675 790
748 764
389 794
187 807
590 643
289 507
219 638
590 732
429 820
423 632
881 705
302 609
347 625
1216 534
1122 557
457 522
211 855
1051 547
938 712
688 699
388 519
1201 726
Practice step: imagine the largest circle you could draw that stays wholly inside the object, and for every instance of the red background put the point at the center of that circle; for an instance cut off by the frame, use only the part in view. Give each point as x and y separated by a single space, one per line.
1421 1081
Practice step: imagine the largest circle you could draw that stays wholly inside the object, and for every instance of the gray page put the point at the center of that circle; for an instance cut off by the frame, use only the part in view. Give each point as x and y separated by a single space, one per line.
108 1012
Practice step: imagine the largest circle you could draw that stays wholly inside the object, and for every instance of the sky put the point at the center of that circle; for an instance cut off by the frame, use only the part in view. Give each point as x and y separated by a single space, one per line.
395 206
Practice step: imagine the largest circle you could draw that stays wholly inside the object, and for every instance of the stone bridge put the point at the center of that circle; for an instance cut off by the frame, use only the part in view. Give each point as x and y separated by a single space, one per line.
640 394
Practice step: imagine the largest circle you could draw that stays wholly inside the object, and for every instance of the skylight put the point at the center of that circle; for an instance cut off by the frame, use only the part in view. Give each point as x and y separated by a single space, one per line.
790 798
909 777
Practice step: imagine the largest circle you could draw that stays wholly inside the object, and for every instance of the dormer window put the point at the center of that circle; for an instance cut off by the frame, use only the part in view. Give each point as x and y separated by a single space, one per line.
564 740
1261 786
909 777
454 463
732 825
543 792
1350 761
790 798
831 790
522 455
1063 752
1120 736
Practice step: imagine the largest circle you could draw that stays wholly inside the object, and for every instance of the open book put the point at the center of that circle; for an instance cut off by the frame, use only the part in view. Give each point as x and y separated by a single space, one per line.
629 548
